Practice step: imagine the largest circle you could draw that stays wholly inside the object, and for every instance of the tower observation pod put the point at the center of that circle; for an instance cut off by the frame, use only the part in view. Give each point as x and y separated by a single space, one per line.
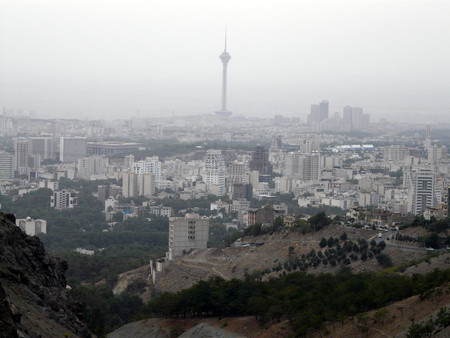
225 58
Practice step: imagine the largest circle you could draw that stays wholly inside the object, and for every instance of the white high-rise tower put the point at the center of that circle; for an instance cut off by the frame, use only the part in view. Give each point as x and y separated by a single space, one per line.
214 172
225 58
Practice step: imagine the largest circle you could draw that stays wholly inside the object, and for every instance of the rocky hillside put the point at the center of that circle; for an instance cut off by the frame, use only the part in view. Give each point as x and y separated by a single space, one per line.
393 320
34 297
284 252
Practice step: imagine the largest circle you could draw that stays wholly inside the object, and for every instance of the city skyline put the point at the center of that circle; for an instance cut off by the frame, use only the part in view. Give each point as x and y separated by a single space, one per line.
130 60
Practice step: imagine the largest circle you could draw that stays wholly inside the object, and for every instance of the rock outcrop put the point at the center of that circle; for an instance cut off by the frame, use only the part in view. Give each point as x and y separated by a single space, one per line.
34 297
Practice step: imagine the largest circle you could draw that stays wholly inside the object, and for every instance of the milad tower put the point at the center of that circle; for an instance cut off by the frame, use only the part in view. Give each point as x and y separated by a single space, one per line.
225 58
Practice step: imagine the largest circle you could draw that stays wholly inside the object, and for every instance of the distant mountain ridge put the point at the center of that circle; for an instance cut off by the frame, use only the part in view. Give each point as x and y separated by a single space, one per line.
34 298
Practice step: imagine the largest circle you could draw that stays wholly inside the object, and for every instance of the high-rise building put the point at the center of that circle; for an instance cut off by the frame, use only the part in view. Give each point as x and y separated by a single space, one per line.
43 146
436 153
309 145
319 112
6 166
323 110
147 185
421 191
214 172
225 57
187 233
151 165
237 172
134 184
354 119
260 161
242 191
128 161
92 165
303 166
21 156
72 148
129 184
395 153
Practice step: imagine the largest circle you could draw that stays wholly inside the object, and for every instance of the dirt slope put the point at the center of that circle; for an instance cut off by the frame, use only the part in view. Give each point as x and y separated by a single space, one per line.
266 252
399 317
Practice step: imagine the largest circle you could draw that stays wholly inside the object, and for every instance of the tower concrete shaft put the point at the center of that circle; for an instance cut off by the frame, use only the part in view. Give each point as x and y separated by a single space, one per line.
225 58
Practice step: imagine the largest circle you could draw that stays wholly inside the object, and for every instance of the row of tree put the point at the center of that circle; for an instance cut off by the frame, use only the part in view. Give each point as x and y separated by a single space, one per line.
306 300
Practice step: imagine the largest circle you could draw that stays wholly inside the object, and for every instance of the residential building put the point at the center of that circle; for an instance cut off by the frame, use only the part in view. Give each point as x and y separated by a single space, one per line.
395 153
319 112
242 191
354 119
129 184
421 191
49 184
151 165
161 210
237 172
6 166
32 227
21 156
214 172
260 163
128 161
64 199
92 165
303 166
134 184
436 153
187 233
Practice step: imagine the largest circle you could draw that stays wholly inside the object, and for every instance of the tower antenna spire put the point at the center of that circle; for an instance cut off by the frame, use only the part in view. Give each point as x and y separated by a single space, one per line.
225 39
225 58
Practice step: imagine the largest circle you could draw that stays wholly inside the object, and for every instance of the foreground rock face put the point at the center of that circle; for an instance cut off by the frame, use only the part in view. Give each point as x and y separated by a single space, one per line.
34 301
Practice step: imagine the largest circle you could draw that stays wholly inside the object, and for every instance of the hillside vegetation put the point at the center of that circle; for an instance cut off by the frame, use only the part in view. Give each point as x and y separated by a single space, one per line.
307 301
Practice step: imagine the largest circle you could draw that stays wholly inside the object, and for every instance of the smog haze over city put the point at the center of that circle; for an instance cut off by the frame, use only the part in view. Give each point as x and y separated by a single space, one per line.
104 59
224 168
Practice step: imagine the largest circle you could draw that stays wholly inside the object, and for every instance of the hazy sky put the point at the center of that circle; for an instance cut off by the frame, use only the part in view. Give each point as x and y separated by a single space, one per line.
99 59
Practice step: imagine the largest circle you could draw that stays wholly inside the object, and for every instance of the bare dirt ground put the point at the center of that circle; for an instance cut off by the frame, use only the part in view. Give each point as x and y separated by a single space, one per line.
208 327
268 251
399 317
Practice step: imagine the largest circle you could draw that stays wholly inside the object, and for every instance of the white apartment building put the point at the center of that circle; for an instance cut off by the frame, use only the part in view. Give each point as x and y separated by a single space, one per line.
366 199
309 145
395 153
128 161
214 172
302 166
32 227
436 153
237 173
151 165
421 191
64 199
92 165
134 184
186 233
54 185
160 210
